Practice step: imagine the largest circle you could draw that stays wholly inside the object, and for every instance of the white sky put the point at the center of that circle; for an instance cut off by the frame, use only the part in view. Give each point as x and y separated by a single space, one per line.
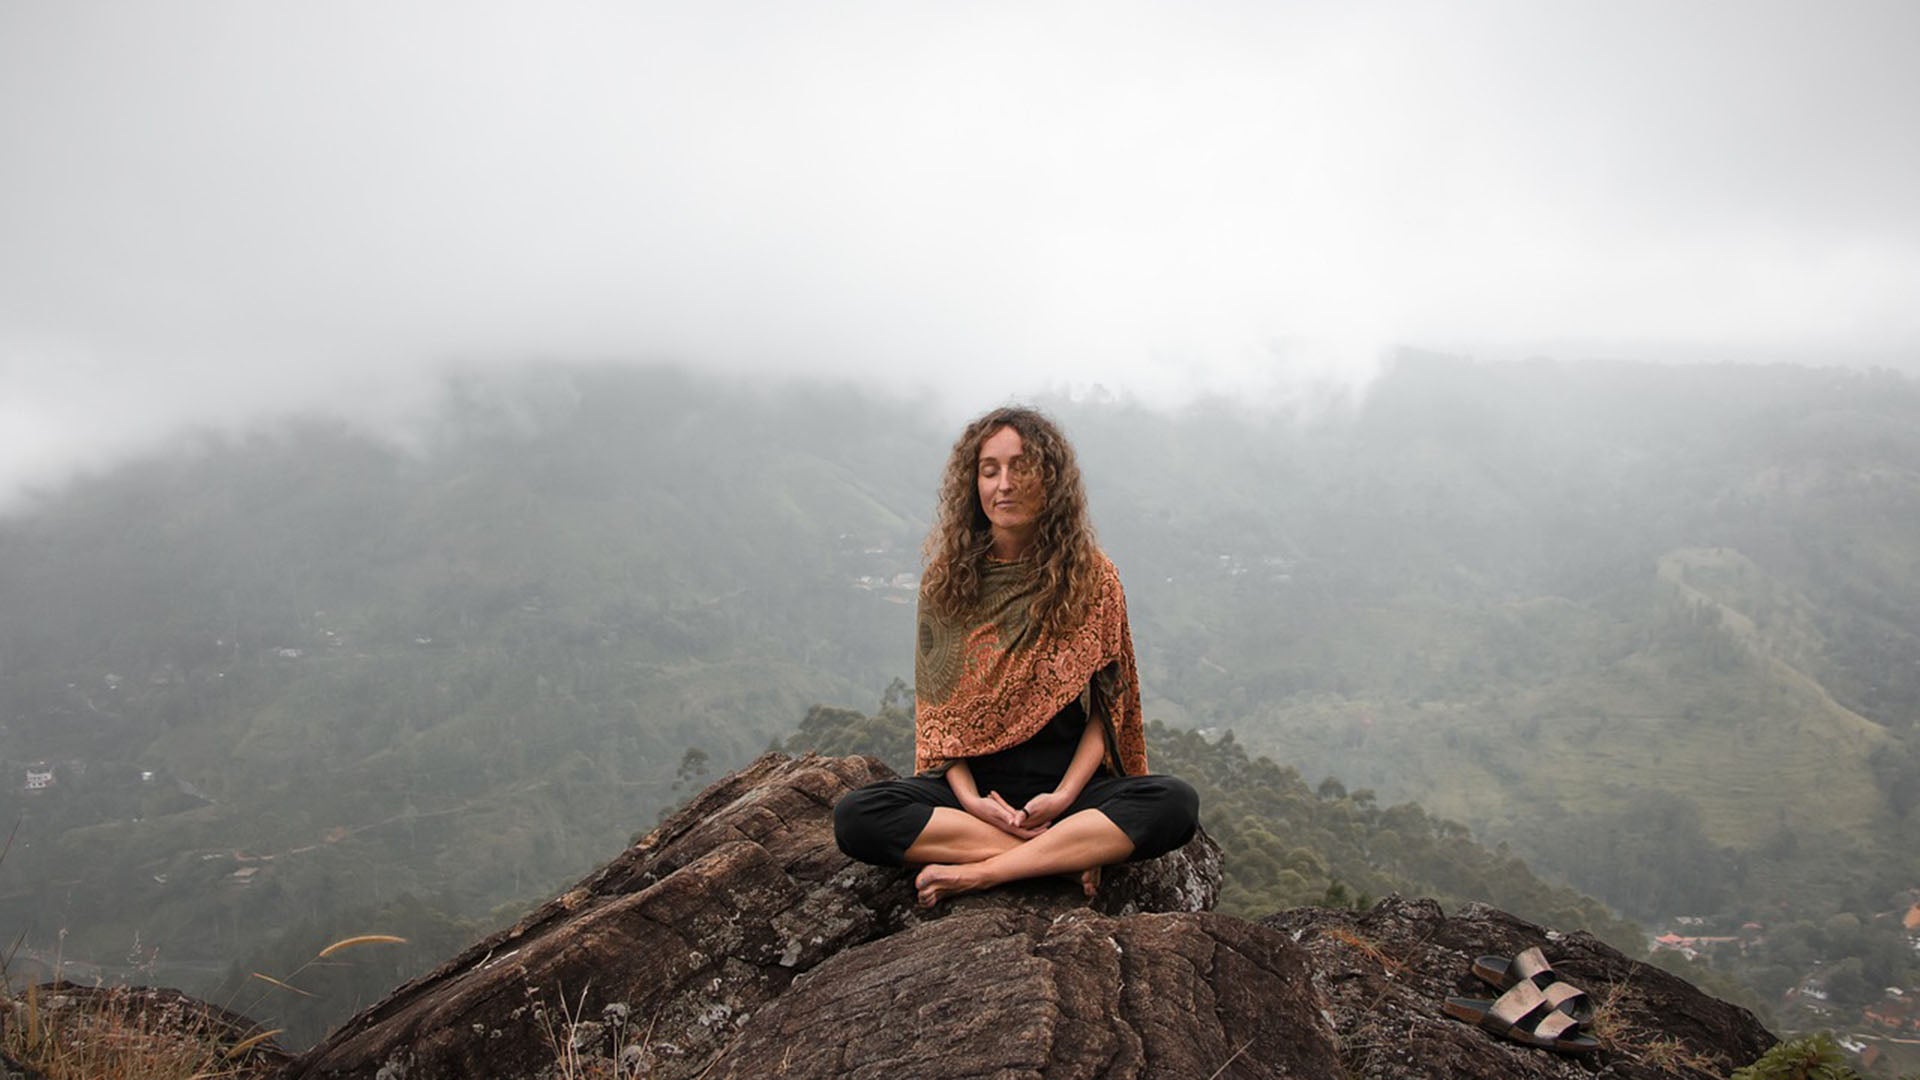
214 211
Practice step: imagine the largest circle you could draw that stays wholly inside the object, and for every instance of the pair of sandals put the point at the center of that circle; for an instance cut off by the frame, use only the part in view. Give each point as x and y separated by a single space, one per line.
1537 1009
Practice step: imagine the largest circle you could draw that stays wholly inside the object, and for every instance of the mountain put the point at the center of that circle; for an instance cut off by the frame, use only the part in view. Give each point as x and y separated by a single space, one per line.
286 677
1652 628
1564 604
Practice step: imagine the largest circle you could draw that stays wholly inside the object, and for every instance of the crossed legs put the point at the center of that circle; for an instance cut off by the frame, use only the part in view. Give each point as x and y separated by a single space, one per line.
959 853
915 821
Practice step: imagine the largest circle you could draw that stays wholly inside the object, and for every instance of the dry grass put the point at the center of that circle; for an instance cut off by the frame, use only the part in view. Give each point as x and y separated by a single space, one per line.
1670 1055
581 1046
1365 946
74 1033
1609 1023
69 1032
1617 1032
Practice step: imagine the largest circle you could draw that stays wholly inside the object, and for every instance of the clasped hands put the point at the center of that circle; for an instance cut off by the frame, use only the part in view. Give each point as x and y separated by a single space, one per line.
1024 822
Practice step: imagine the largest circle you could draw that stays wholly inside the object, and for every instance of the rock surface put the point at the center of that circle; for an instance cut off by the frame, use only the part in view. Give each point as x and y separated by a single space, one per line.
1384 974
735 941
664 958
1008 994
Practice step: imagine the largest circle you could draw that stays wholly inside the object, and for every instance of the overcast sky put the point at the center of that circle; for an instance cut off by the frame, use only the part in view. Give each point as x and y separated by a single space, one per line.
213 211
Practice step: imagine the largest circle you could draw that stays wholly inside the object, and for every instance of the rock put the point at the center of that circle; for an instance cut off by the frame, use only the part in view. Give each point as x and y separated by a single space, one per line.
1384 974
736 941
663 957
1013 994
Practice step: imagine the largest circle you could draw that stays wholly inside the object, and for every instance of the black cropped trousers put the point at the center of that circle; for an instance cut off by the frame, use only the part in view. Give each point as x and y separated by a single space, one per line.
879 822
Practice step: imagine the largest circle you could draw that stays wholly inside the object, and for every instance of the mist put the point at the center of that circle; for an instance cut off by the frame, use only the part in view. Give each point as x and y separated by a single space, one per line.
218 211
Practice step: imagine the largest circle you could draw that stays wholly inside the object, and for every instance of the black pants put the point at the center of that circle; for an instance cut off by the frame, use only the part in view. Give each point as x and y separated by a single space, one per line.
879 822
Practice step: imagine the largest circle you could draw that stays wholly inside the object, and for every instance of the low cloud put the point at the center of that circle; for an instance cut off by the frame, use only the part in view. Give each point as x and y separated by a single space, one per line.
219 210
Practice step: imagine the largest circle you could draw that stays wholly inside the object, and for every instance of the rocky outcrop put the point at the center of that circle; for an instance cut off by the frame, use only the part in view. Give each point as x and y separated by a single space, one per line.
1005 993
669 956
735 941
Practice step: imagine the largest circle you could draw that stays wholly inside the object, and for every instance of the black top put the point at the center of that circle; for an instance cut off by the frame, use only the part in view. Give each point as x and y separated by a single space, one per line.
1037 764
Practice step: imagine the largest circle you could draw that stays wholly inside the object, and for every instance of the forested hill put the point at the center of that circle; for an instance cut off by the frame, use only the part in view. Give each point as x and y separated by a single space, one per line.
1652 627
310 671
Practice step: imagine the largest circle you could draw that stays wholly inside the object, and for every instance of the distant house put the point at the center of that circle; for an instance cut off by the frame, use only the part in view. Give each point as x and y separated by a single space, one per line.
1691 947
1811 987
1894 1014
39 777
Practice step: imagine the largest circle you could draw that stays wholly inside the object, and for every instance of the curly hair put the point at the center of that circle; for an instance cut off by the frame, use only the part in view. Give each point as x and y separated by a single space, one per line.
1065 556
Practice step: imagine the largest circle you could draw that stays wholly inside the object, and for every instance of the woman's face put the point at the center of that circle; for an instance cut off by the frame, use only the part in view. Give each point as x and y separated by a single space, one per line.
1010 492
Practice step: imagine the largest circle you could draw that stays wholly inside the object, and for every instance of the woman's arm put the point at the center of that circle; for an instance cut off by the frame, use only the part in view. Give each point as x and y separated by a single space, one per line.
1042 809
990 808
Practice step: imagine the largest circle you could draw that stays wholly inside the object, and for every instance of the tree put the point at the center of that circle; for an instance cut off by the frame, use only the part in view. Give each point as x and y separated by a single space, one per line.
693 766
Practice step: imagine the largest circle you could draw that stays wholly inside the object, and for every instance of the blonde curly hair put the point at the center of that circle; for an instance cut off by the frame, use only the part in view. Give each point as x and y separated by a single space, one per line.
1064 555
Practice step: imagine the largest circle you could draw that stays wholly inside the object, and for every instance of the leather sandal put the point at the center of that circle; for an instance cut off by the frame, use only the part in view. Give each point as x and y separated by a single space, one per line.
1524 1015
1531 966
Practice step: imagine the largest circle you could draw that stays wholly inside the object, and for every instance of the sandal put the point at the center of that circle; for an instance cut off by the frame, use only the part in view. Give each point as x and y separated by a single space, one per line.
1531 966
1525 1015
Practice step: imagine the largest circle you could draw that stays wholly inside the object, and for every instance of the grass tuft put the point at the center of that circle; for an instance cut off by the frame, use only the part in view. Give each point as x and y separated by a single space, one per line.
587 1050
65 1032
1669 1055
1365 946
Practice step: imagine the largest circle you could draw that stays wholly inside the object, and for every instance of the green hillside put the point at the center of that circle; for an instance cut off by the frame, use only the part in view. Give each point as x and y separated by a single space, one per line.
1655 629
463 670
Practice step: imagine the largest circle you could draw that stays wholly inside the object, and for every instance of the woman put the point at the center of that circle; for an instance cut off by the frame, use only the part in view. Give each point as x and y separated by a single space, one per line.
1028 746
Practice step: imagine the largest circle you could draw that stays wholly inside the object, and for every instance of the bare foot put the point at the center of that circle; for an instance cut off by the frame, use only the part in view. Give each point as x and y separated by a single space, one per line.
935 883
1088 880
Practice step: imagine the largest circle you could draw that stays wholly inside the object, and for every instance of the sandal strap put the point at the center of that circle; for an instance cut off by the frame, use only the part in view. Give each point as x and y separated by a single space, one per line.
1521 1007
1531 964
1556 1026
1528 1010
1566 997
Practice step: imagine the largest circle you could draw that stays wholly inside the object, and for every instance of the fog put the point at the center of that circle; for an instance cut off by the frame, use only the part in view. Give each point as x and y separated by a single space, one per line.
211 212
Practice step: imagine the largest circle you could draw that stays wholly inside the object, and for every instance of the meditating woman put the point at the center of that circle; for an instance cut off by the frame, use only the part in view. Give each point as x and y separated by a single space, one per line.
1029 752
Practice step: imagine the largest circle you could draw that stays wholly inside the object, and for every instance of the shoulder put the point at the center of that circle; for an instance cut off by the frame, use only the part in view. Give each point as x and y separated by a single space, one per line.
1105 573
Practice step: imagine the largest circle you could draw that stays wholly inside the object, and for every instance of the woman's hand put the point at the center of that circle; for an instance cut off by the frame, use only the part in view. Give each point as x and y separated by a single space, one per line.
995 811
1044 808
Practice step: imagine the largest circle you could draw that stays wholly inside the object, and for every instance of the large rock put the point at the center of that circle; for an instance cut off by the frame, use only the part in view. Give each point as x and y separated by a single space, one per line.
663 958
736 941
1011 994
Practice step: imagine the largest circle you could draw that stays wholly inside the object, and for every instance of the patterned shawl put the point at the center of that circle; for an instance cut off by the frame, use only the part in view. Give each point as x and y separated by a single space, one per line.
991 681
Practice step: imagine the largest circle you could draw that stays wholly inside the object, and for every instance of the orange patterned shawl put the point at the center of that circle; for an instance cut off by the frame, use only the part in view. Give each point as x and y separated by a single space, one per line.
991 681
